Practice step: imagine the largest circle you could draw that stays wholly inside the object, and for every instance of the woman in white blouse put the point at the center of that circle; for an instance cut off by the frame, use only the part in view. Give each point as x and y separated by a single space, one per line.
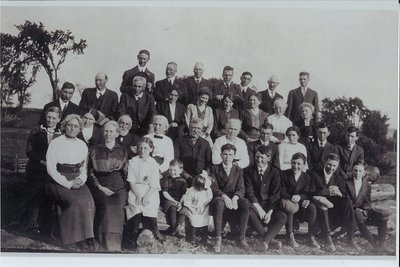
279 121
66 164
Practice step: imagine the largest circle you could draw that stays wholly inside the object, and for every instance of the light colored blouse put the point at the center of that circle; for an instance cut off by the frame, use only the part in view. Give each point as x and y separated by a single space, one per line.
286 151
65 150
280 123
163 148
208 117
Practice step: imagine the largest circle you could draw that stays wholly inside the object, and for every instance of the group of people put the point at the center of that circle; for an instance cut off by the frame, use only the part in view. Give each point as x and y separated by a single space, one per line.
195 150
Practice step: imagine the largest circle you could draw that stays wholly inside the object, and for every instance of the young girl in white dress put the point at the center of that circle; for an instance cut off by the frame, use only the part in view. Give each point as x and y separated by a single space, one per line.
195 207
143 196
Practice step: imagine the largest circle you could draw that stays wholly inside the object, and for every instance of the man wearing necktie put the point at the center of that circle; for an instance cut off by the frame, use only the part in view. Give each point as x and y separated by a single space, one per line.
67 107
125 138
225 86
349 151
319 150
245 89
269 95
263 187
299 95
143 58
100 98
164 87
229 204
194 83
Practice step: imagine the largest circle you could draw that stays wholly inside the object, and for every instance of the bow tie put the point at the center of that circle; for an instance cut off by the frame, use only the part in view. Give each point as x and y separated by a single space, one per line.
158 136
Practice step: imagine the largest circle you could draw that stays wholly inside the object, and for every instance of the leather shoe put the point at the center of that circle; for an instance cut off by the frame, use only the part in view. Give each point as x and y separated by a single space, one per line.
244 245
275 244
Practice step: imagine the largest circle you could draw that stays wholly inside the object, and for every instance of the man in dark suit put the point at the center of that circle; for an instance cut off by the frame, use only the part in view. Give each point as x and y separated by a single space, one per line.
296 195
299 95
349 151
171 82
228 202
100 98
266 131
194 83
125 138
263 188
67 107
269 95
319 150
359 191
193 150
226 86
139 105
127 78
245 89
330 184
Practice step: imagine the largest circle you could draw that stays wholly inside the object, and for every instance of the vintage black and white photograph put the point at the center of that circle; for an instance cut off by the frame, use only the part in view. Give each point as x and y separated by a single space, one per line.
202 129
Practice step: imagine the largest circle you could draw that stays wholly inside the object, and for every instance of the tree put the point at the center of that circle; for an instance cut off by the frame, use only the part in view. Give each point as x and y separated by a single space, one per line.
340 113
18 71
48 49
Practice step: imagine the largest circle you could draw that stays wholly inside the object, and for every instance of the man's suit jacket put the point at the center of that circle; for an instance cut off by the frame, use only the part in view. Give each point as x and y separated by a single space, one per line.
230 185
128 141
289 187
317 157
348 158
265 190
71 108
108 104
128 76
220 89
252 148
195 157
363 200
322 189
163 88
296 98
141 112
267 103
192 88
249 91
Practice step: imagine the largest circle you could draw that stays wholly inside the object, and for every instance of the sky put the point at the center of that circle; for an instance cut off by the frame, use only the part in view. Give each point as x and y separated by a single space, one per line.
350 50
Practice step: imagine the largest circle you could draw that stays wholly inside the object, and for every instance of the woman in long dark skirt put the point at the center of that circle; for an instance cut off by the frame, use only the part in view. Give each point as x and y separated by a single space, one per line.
107 183
36 204
66 164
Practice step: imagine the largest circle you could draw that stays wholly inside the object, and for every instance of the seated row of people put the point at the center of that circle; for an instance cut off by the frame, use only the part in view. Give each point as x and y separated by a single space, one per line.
237 194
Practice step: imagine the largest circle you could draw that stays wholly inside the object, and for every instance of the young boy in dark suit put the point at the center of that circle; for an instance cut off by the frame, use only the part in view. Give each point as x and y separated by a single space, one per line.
359 191
349 151
296 193
228 202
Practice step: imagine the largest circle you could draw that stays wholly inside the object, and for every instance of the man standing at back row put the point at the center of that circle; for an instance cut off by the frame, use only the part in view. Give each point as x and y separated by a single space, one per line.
127 78
194 83
100 98
299 95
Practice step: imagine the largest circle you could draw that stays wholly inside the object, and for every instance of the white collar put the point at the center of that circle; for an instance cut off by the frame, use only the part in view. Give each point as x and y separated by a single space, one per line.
327 176
139 96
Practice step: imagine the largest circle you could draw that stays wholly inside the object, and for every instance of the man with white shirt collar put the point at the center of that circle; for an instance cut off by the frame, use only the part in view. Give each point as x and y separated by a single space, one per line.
143 58
139 105
266 139
263 188
330 183
241 156
301 94
100 98
270 95
67 107
319 150
349 151
245 89
229 204
194 83
225 86
171 82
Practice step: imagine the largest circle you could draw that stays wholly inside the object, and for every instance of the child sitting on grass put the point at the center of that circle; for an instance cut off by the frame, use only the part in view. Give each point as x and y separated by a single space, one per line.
195 207
173 186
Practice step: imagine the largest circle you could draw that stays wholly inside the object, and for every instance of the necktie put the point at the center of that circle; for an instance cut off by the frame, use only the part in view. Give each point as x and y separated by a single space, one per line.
64 108
170 82
197 81
260 174
99 99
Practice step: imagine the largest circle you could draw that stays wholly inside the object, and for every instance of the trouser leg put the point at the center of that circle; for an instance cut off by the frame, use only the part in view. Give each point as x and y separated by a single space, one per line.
217 210
171 216
278 220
